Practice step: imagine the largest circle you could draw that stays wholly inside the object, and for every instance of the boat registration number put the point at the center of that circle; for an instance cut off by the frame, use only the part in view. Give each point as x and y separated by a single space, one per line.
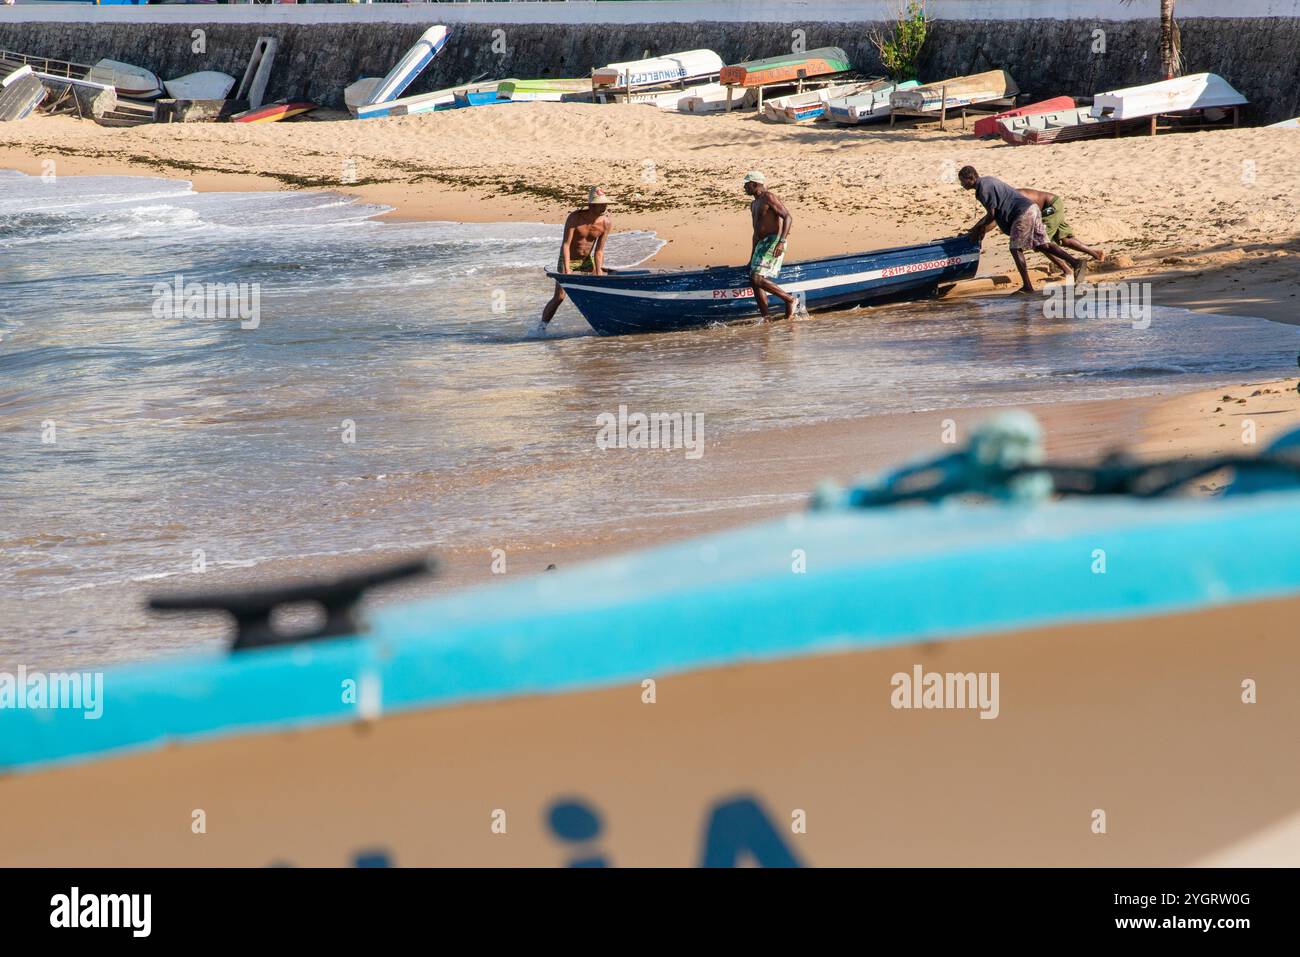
920 267
742 292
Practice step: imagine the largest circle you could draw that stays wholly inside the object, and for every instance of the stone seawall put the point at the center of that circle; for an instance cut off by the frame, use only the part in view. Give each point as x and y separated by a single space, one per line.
1259 56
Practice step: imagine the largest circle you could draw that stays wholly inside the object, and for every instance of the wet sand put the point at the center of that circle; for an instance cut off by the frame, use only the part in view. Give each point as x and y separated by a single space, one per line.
765 474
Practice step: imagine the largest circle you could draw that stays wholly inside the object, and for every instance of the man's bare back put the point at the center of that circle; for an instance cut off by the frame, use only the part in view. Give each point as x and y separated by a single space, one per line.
767 210
1037 196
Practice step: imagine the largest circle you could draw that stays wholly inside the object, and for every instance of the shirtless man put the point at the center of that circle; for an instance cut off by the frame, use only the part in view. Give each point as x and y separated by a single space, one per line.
772 222
582 249
1058 230
1022 220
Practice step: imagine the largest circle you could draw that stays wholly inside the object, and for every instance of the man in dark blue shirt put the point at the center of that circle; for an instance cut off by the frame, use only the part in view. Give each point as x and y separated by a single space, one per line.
1021 219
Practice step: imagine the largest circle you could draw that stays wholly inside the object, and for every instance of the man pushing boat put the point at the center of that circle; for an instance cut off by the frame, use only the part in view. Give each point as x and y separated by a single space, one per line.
1058 230
772 222
1021 219
582 249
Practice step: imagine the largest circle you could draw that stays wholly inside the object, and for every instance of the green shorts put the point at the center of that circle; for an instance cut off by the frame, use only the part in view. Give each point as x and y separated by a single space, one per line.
585 264
1054 221
765 261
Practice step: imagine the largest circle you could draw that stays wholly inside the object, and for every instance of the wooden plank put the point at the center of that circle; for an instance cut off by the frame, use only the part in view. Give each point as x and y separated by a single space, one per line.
258 73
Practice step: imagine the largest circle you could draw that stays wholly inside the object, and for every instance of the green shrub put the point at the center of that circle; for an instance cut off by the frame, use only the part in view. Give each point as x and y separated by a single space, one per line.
901 50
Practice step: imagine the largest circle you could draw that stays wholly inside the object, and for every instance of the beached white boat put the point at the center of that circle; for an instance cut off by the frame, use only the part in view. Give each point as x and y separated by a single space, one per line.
713 99
669 100
672 101
128 80
482 94
1286 124
445 99
204 85
1200 91
355 95
1057 127
21 91
656 71
958 91
867 106
809 106
411 65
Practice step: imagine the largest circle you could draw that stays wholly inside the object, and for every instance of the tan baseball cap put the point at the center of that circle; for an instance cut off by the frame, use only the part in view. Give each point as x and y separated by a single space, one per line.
755 176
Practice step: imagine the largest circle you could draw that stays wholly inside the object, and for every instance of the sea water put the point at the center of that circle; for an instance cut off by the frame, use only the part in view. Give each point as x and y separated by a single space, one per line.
388 394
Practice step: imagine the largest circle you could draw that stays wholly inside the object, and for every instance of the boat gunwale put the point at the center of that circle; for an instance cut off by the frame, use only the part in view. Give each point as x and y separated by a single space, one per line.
678 274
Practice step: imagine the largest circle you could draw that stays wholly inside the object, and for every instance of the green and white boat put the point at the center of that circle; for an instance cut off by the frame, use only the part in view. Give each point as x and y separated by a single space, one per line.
544 89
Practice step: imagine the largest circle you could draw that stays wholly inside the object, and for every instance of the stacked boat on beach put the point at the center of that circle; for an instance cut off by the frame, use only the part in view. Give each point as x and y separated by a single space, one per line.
117 93
657 71
988 125
799 87
811 105
1200 91
787 68
21 91
541 90
992 86
871 105
1114 111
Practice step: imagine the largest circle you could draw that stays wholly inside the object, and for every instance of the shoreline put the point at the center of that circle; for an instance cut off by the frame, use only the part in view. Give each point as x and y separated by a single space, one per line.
1228 249
1180 270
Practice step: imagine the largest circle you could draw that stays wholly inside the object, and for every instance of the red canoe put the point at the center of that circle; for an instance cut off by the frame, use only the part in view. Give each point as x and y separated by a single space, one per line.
272 112
988 125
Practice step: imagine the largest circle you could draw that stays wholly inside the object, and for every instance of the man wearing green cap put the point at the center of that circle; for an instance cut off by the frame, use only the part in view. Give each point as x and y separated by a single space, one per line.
772 222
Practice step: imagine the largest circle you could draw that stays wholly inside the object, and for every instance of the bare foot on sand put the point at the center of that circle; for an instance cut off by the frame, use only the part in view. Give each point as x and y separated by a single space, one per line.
1101 255
1024 291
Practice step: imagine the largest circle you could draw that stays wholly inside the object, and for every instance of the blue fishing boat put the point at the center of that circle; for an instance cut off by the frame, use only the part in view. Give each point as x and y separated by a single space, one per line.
631 301
472 97
695 703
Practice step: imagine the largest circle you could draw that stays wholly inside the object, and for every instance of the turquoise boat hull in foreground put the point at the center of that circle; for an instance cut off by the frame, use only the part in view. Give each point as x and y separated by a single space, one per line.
684 702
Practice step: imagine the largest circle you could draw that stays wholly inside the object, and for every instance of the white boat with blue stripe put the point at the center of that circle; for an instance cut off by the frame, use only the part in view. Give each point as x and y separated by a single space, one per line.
644 300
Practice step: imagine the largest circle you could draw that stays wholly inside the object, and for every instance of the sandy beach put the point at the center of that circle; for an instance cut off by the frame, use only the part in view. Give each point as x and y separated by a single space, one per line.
1205 218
